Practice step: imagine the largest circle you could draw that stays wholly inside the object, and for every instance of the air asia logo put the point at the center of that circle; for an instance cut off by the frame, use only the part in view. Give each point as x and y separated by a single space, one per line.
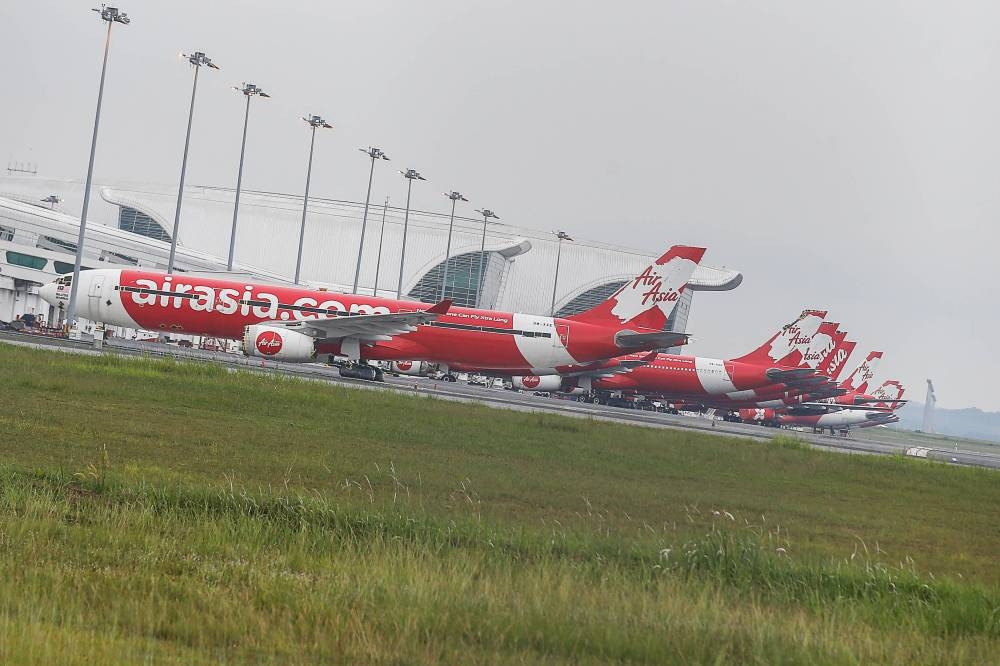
403 366
819 347
864 372
228 301
889 392
797 336
269 343
530 381
656 287
837 360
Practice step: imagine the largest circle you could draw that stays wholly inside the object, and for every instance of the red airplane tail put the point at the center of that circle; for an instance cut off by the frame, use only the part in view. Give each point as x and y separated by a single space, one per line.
858 380
823 343
834 364
890 393
646 300
790 339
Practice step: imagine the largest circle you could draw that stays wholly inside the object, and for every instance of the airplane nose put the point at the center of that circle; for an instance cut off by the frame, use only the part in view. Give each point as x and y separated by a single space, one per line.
48 293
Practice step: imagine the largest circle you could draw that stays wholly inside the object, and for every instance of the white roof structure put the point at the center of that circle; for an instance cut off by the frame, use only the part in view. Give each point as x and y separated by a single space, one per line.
135 221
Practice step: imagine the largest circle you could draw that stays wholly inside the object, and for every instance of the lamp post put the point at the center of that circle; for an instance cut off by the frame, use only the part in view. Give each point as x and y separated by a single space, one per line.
197 60
455 198
375 154
248 90
381 235
314 122
487 215
112 16
561 235
410 175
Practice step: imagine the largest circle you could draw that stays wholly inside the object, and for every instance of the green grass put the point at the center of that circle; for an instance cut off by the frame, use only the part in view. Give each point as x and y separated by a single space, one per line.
151 510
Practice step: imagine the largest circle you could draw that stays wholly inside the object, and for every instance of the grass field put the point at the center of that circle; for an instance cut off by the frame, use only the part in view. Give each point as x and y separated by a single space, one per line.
156 511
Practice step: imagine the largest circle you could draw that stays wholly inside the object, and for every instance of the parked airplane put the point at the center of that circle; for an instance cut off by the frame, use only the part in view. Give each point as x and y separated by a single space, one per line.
295 324
787 360
854 408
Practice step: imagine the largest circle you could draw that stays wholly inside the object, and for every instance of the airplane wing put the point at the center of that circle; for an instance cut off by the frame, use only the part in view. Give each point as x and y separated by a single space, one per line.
885 400
622 367
659 339
813 407
364 326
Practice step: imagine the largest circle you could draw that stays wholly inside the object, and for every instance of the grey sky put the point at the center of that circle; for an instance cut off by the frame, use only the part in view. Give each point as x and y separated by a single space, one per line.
841 154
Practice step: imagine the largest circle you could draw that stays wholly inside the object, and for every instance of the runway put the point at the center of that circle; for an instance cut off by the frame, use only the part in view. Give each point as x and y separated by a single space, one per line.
503 399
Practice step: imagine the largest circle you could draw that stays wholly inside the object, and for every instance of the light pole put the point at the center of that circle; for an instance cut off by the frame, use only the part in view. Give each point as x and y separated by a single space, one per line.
487 215
112 16
248 90
314 122
375 154
410 175
197 60
455 198
381 235
561 235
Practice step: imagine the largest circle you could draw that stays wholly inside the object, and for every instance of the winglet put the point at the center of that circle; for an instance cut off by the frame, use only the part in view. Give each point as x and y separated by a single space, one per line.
439 308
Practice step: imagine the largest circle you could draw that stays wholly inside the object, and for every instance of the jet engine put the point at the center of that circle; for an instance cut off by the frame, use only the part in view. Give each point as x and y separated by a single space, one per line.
414 368
278 343
536 383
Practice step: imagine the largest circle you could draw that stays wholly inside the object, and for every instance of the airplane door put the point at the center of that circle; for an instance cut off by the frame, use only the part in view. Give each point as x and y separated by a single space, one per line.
730 370
96 295
561 338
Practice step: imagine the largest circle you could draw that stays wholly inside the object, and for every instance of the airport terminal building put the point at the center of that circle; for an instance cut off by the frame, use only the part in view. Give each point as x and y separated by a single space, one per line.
131 224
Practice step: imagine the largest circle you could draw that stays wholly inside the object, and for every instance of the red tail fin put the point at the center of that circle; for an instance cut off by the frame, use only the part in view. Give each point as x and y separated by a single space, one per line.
858 380
821 345
834 364
790 339
890 392
647 300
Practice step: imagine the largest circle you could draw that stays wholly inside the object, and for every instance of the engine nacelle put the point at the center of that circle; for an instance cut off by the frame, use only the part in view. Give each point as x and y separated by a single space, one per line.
414 368
536 383
278 343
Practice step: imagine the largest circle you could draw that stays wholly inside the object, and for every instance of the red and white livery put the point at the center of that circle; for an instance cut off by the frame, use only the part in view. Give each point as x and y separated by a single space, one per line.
292 323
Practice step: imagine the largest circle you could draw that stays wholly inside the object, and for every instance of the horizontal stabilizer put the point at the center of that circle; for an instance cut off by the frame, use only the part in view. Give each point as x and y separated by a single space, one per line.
782 376
658 340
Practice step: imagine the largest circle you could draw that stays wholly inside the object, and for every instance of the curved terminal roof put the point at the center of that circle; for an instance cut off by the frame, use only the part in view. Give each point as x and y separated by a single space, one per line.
519 262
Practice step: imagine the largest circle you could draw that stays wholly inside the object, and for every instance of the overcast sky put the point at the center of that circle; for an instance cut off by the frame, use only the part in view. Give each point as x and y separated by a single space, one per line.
842 155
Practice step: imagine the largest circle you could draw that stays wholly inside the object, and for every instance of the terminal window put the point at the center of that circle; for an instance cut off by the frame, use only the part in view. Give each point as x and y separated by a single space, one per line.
26 260
130 219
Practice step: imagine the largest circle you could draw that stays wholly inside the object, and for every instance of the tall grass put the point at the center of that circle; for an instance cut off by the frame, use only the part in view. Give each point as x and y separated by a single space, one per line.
227 573
176 512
